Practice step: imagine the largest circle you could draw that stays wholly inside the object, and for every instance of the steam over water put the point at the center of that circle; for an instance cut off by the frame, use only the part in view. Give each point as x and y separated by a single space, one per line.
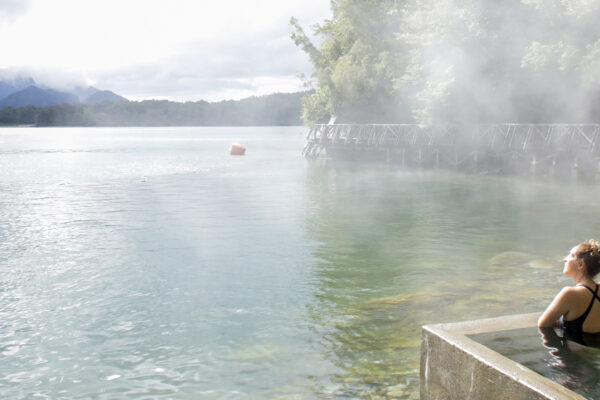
148 262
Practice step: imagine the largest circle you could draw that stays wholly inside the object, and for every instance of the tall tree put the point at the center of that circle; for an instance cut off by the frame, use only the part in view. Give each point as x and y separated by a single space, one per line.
355 63
459 61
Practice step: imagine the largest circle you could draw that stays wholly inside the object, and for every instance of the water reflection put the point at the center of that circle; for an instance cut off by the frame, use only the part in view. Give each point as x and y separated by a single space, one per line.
402 249
549 353
565 363
260 277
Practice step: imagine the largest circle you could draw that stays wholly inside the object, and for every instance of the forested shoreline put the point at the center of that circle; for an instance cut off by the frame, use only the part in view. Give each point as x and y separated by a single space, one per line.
447 61
276 109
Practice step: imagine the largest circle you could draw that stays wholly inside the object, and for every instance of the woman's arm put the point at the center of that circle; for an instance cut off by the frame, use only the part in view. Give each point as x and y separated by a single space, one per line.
559 306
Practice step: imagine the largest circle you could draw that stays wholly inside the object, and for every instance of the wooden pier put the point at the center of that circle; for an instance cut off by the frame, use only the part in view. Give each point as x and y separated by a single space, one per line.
539 149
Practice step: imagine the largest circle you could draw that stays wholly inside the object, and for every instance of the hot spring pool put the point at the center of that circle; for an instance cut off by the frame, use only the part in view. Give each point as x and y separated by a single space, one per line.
563 361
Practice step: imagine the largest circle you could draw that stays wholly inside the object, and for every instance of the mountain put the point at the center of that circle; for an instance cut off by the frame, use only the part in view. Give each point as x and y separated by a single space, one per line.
83 92
104 95
10 86
34 96
22 90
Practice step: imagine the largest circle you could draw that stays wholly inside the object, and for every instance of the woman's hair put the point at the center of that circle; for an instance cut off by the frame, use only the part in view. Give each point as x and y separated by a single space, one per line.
589 252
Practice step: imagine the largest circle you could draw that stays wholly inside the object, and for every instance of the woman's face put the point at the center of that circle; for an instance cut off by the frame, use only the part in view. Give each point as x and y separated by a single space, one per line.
572 264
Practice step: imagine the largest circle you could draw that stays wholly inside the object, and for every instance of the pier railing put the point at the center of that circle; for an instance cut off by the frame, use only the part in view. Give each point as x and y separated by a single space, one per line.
494 148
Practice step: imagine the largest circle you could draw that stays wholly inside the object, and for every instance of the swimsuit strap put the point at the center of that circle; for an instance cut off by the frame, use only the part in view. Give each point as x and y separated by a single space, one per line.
594 292
576 325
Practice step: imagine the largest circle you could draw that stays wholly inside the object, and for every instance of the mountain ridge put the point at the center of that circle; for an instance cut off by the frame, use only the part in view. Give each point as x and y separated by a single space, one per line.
21 91
35 96
103 95
10 86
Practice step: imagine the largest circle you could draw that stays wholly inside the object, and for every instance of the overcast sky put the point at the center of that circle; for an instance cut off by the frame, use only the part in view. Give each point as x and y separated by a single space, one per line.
162 49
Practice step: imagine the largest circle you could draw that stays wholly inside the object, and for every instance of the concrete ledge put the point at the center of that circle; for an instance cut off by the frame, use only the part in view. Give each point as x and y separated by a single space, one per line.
453 366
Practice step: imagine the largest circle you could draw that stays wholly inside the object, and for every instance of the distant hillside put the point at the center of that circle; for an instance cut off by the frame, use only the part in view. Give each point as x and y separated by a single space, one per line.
83 92
270 110
104 95
34 96
8 87
22 91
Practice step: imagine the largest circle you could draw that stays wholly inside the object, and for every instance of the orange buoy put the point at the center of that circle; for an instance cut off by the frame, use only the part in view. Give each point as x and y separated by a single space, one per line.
237 149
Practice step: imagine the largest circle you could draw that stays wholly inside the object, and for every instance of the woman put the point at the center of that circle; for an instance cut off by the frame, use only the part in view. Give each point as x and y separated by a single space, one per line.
577 309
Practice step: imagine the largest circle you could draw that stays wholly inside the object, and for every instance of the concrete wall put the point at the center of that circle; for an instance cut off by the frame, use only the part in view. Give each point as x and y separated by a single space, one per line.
453 366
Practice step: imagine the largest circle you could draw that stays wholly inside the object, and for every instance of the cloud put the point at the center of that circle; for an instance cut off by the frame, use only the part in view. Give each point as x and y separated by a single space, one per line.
216 69
50 77
186 50
12 9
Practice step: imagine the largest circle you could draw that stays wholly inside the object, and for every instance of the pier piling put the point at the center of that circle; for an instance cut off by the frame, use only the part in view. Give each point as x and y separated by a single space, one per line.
536 149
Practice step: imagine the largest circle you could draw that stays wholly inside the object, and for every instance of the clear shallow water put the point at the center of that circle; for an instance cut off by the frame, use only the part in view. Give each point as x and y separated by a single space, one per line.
547 353
148 263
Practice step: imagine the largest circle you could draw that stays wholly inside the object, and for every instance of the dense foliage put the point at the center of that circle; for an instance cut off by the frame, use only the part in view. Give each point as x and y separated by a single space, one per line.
355 63
431 61
275 109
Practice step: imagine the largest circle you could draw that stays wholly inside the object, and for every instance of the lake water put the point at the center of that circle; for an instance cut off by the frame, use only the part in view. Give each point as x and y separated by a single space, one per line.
149 263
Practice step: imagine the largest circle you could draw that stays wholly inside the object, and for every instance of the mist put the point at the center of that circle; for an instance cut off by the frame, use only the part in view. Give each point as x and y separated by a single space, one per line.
479 61
12 9
46 77
456 61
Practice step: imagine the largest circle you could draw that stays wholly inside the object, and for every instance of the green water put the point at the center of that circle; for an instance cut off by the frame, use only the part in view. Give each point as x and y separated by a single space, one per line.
402 249
148 263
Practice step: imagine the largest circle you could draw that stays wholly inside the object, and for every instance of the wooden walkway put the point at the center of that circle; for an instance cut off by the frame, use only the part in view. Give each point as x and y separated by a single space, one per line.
541 149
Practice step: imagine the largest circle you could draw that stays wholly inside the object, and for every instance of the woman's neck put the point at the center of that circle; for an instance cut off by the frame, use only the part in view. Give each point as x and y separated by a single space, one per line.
585 280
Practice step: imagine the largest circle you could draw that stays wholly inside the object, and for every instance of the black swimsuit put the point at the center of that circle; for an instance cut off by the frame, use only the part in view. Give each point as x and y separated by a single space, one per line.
575 327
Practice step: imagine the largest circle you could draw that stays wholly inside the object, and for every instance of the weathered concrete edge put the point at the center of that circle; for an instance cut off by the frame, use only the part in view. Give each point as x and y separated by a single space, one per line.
455 335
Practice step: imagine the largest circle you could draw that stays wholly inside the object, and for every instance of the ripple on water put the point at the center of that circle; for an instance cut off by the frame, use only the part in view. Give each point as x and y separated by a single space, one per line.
147 263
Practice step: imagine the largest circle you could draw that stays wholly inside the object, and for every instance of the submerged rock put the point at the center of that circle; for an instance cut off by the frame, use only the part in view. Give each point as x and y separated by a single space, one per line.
398 391
510 259
291 397
406 342
543 264
257 353
393 300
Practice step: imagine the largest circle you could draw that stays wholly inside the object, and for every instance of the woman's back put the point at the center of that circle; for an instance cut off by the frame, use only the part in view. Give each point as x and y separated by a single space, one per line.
584 313
577 308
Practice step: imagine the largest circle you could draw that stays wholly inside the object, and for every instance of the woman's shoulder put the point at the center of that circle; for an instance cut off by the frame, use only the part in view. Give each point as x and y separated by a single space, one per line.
575 293
571 292
582 288
571 289
577 288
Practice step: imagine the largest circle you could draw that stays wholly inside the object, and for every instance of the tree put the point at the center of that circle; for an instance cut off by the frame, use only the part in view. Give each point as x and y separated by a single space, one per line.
565 48
274 109
355 63
455 61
